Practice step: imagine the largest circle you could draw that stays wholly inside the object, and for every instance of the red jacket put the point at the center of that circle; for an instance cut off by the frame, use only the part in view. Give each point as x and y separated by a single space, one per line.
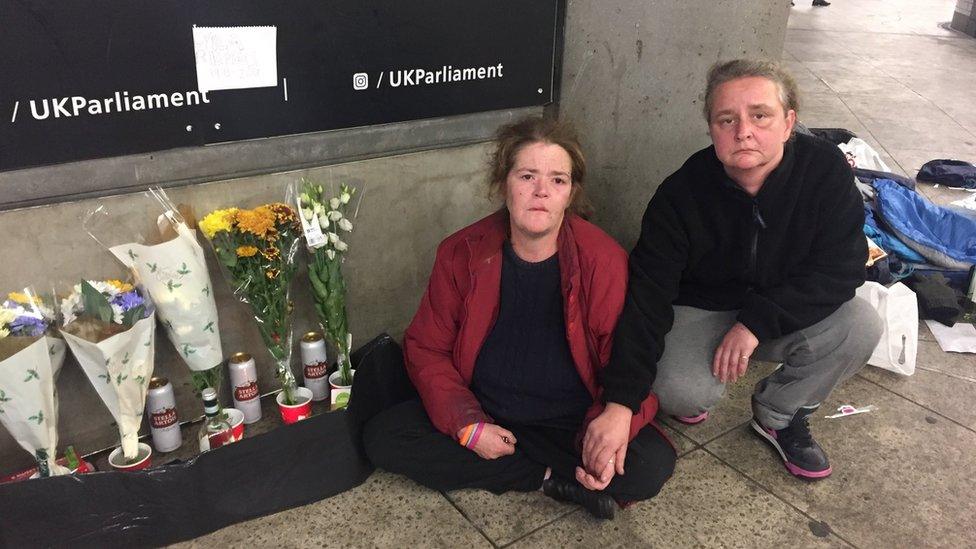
461 304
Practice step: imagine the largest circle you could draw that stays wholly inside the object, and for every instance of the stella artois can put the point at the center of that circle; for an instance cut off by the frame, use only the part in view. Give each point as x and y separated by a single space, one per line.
315 364
163 423
244 382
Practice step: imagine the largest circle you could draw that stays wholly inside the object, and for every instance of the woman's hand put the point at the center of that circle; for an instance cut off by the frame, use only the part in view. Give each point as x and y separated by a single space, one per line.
605 446
732 355
493 442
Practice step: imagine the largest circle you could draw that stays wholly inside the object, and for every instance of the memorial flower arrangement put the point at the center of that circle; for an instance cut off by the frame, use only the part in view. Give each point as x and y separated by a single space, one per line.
256 249
327 222
31 357
110 327
171 267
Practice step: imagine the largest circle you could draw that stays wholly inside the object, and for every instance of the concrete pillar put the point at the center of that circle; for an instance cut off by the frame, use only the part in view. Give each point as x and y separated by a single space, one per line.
633 78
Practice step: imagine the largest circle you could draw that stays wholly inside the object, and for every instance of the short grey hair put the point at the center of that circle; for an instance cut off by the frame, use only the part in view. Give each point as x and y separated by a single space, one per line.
725 71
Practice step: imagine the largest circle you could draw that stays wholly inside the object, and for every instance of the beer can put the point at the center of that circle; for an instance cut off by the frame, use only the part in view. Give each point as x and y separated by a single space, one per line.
163 421
315 364
244 383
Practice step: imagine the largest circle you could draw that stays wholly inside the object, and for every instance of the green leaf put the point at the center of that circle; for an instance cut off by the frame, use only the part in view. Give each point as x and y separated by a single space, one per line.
106 377
120 378
209 327
183 270
152 267
96 305
140 379
133 315
31 374
126 359
38 417
206 290
188 350
132 255
3 396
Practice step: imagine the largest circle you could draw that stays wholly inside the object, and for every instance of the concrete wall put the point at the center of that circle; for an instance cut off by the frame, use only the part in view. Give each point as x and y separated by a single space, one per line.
632 75
412 201
632 81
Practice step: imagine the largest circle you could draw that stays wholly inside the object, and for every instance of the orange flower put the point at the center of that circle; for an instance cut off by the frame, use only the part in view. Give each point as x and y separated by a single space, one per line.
246 251
272 273
271 253
257 221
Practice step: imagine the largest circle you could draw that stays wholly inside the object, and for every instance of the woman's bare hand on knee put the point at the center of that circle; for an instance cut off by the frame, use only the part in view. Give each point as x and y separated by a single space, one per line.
494 442
732 355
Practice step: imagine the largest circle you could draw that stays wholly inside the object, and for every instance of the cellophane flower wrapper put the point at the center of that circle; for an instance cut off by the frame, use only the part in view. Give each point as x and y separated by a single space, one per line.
327 213
170 265
31 356
116 357
256 250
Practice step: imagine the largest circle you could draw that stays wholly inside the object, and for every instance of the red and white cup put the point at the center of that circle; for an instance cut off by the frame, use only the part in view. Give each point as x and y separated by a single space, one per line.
236 419
143 459
296 412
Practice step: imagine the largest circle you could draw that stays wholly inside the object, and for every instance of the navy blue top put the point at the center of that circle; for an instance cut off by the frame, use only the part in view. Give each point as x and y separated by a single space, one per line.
524 373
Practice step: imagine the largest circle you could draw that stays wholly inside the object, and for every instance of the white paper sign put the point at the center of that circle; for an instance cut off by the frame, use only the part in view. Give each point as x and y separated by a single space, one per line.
233 58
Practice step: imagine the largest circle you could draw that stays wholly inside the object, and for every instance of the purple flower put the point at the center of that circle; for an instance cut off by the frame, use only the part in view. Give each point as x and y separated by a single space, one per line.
128 300
28 326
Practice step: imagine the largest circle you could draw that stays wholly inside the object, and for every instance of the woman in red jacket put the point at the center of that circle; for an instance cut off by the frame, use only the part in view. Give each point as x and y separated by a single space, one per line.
507 343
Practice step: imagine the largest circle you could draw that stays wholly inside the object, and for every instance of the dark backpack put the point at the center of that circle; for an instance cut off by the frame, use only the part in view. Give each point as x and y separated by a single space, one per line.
951 173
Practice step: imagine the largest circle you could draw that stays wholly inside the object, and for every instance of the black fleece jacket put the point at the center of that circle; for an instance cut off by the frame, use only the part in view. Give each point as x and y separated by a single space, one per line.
786 258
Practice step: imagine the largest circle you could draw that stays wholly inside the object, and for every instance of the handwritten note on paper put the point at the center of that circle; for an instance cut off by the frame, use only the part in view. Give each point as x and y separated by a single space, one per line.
233 58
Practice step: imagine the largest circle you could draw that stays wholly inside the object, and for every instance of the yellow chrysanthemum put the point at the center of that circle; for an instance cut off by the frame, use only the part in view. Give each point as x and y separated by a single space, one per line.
20 298
246 251
122 287
257 221
218 220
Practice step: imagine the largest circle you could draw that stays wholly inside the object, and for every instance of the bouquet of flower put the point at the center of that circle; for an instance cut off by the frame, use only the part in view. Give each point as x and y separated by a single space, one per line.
30 360
110 328
256 249
325 219
170 266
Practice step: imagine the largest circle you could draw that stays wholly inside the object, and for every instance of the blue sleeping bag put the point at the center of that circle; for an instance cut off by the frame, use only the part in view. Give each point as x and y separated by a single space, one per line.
942 236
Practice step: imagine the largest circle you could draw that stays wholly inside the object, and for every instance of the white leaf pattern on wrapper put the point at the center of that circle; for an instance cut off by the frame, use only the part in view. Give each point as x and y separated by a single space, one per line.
30 410
120 359
175 275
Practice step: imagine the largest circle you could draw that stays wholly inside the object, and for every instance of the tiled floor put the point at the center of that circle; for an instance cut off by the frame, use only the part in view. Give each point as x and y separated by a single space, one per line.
904 475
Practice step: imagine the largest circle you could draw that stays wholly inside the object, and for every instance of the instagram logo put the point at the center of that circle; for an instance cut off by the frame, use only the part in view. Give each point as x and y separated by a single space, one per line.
360 81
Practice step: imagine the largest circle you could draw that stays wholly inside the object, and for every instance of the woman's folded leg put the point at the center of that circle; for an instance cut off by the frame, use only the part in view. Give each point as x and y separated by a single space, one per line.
403 440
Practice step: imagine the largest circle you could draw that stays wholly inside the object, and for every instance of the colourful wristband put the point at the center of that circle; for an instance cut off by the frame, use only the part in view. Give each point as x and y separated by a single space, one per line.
469 437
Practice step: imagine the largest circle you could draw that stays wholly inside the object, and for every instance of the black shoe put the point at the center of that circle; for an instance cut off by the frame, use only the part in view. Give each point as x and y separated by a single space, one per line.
821 3
599 505
801 454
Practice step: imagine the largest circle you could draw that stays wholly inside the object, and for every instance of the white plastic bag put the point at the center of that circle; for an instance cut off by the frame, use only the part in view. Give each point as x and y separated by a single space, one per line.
860 155
898 309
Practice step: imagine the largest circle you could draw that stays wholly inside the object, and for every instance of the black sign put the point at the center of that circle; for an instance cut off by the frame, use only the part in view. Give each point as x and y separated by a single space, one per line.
96 78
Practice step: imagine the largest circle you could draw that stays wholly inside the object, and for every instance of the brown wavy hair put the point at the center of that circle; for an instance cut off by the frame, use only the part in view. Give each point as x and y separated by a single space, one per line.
512 138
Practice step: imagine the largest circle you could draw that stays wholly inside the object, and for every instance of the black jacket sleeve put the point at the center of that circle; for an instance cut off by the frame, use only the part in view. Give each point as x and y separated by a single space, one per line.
656 264
828 275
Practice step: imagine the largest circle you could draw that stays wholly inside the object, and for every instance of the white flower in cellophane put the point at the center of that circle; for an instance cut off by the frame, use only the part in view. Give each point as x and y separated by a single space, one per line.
345 198
330 254
334 203
341 246
333 238
345 225
335 215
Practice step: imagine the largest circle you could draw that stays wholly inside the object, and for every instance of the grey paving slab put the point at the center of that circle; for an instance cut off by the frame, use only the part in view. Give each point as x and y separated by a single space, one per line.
507 517
705 504
940 133
733 410
946 394
386 511
913 158
902 475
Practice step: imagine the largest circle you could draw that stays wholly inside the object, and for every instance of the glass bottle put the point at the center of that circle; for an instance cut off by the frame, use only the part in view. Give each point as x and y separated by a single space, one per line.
215 431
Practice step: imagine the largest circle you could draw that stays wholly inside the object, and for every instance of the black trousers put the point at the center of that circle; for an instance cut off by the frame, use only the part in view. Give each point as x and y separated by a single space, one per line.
402 440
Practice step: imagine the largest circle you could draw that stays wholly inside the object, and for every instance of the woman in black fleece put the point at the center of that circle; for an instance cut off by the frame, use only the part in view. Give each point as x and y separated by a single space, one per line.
752 249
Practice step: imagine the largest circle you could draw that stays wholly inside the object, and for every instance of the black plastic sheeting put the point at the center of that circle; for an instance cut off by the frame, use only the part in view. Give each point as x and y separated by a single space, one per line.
290 466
